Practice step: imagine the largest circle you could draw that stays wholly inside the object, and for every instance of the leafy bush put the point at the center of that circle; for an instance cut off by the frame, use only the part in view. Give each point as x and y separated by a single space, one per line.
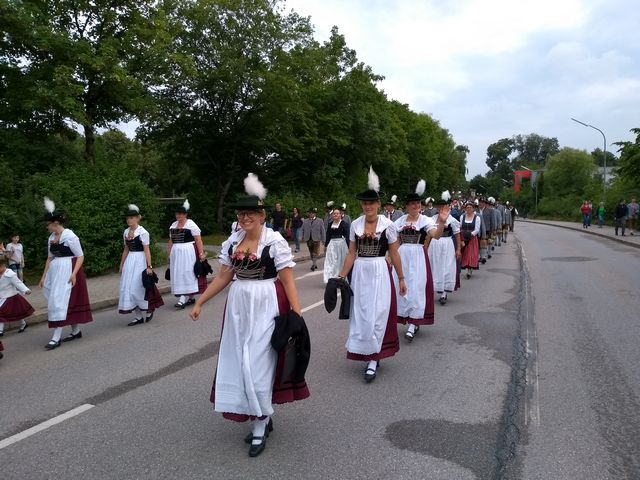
94 198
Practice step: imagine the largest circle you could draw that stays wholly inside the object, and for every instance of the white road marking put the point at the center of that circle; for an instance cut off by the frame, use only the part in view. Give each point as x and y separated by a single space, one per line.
317 304
44 425
310 274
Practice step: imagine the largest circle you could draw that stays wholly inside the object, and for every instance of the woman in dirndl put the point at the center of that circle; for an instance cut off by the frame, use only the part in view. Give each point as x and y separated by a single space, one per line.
136 262
336 245
63 281
248 378
443 252
416 308
373 333
185 249
470 224
13 307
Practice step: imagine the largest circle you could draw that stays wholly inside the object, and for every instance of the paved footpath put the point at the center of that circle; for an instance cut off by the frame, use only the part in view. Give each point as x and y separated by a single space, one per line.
104 289
604 232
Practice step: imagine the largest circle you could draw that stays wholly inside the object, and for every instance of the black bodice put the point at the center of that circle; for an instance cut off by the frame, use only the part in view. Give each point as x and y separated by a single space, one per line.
372 247
410 235
261 268
135 244
181 235
60 250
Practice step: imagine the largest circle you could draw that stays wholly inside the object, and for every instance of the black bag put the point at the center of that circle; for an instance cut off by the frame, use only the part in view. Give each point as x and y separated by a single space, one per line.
167 274
466 235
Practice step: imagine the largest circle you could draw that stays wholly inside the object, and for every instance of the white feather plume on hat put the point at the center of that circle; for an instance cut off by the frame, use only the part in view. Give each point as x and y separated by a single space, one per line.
344 206
330 203
420 188
394 198
186 204
134 208
373 181
446 196
253 186
491 200
49 205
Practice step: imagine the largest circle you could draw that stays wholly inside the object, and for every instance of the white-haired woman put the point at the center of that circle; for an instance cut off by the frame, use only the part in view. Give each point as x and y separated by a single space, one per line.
185 249
249 376
373 332
136 261
63 281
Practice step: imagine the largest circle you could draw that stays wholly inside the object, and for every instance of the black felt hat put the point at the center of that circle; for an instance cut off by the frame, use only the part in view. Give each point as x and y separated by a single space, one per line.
184 208
132 211
312 210
370 195
249 202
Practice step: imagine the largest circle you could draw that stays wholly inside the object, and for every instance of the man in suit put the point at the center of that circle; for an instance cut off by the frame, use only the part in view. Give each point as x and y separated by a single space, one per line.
487 220
390 209
313 232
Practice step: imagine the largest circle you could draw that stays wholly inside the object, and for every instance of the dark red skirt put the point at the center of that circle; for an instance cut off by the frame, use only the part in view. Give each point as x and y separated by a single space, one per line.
390 342
283 392
15 309
429 306
154 299
79 310
458 264
470 254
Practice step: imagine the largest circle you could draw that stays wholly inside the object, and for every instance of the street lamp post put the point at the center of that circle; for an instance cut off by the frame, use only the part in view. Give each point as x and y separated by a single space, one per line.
604 173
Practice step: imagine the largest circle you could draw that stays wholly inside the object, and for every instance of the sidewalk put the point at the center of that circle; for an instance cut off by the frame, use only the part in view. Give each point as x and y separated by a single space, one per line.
604 232
104 290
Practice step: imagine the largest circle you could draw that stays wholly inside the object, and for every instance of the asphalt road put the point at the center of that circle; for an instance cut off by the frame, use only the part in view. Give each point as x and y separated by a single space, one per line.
461 402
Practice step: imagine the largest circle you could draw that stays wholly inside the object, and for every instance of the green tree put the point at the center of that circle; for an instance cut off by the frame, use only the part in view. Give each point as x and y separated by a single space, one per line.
612 160
568 173
533 149
629 164
82 62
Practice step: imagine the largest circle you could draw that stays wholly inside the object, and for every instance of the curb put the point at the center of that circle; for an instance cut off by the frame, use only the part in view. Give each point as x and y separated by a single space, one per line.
40 316
590 232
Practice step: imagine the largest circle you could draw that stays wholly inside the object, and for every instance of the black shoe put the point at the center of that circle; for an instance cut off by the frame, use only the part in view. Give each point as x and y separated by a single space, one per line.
1 334
72 336
483 260
489 256
409 336
255 450
267 431
179 305
468 276
149 317
23 328
52 344
191 301
443 300
135 321
369 375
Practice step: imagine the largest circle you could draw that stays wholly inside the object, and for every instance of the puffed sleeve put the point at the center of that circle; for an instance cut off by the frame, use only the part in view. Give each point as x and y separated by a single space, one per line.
73 242
144 236
429 224
352 233
280 251
455 226
476 229
223 257
195 230
392 233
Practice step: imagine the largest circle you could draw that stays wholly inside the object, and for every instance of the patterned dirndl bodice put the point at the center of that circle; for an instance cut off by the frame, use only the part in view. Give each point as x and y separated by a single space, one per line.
252 267
367 246
60 250
134 244
181 235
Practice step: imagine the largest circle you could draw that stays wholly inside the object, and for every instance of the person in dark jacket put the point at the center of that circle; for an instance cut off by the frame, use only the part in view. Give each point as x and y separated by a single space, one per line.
621 217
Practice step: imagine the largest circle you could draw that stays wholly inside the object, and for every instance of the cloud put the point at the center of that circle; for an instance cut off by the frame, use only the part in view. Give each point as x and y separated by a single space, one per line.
489 69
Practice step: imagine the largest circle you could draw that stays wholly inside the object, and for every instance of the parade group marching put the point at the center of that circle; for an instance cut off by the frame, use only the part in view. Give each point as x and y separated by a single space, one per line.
387 266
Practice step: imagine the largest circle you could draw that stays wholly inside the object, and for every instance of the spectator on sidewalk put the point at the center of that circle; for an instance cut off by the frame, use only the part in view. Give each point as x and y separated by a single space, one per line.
602 211
279 220
313 233
336 245
585 210
14 253
296 227
621 217
632 215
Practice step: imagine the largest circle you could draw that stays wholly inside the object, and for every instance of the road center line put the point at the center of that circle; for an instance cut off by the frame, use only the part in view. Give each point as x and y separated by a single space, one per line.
314 305
310 274
44 425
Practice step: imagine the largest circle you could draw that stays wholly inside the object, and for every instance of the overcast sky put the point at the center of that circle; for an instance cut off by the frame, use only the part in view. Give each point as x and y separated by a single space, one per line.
490 69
